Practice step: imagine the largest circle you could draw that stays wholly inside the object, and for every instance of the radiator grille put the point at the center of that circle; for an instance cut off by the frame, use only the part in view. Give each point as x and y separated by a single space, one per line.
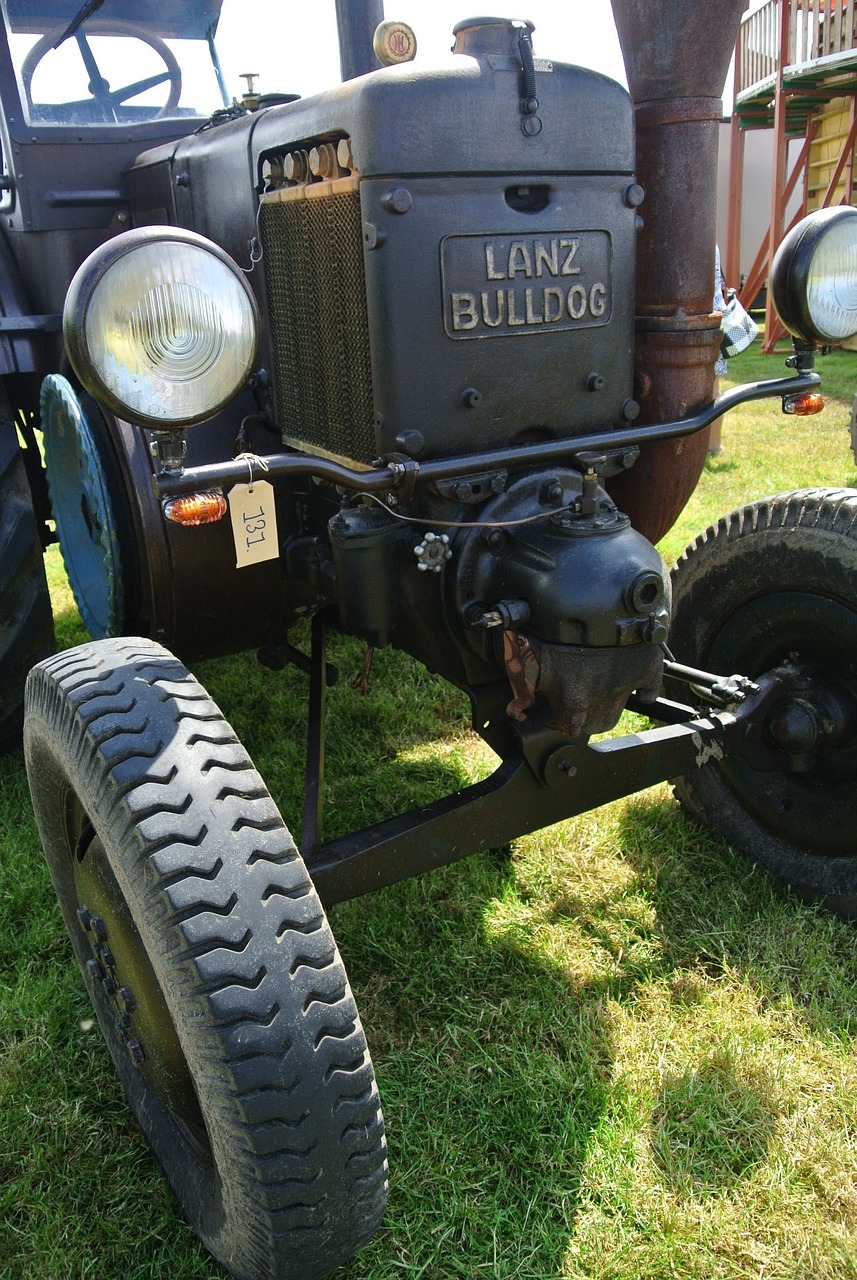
313 256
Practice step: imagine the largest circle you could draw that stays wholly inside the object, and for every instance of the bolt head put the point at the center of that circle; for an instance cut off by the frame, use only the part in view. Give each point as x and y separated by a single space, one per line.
399 200
410 442
136 1052
552 493
127 999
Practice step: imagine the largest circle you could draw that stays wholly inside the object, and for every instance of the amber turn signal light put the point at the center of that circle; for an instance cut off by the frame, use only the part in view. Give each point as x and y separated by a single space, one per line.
196 508
805 403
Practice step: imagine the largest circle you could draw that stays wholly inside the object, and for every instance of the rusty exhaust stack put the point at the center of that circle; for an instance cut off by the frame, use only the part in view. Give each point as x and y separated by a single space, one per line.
676 57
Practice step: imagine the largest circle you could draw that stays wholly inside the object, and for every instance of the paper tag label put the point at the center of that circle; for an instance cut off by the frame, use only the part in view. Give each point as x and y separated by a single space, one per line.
254 523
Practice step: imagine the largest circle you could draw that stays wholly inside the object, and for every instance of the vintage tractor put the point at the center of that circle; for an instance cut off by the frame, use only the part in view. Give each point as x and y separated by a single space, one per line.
427 358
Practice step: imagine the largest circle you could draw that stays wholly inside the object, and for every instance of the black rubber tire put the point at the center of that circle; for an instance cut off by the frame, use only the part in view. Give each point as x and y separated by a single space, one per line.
774 582
26 623
144 795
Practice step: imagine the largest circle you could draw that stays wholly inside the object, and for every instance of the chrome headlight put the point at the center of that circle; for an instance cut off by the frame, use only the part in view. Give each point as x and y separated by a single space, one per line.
814 277
161 327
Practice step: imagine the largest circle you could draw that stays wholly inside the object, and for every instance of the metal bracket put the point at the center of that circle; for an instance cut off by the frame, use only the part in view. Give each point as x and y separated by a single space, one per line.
720 691
31 324
276 657
311 826
405 472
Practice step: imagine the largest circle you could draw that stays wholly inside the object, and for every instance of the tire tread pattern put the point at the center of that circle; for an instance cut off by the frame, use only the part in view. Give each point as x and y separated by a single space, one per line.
805 540
281 1059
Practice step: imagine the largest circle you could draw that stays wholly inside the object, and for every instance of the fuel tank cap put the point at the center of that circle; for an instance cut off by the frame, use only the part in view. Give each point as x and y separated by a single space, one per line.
482 37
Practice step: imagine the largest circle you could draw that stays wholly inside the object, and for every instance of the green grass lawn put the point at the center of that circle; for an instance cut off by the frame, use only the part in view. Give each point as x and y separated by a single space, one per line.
612 1051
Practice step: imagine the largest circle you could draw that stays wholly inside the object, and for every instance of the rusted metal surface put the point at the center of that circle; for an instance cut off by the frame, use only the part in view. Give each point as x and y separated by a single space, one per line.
676 56
677 143
678 373
677 48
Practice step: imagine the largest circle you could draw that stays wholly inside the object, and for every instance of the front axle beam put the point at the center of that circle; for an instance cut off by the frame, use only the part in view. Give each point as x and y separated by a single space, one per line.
544 778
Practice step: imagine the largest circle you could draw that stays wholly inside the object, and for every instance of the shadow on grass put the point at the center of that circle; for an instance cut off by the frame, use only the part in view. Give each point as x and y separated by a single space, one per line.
720 463
494 1070
712 1125
717 911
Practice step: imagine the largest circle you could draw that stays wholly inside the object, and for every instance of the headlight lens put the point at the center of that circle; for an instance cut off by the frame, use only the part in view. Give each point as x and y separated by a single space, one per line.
814 277
161 326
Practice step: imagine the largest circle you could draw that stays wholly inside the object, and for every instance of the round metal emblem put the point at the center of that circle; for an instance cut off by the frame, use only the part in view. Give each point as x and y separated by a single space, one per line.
394 42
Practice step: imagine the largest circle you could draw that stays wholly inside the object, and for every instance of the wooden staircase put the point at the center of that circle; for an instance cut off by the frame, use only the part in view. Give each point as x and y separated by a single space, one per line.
795 73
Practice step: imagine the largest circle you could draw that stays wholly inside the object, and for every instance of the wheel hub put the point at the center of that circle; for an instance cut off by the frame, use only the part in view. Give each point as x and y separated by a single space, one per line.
796 773
127 988
812 718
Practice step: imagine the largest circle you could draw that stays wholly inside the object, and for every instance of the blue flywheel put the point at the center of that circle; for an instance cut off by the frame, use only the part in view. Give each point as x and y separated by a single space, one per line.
85 515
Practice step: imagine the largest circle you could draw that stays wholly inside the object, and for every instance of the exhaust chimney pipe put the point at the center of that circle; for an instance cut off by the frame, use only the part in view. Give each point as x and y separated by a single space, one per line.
676 58
356 21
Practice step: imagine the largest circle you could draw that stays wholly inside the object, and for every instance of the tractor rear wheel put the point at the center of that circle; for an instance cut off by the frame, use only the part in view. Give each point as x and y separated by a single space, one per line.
209 960
773 588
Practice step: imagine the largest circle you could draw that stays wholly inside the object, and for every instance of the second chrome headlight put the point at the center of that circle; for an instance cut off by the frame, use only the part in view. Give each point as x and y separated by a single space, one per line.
814 277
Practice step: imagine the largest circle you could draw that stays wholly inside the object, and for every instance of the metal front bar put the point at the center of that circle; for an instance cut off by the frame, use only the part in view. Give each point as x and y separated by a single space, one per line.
546 778
383 478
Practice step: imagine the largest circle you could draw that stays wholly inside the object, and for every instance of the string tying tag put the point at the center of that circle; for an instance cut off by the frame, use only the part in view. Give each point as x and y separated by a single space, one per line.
250 459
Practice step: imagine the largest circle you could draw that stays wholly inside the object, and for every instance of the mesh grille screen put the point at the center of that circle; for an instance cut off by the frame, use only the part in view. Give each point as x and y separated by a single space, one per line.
313 256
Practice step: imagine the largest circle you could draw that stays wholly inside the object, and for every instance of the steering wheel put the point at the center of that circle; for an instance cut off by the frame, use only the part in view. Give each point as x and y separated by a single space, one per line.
107 98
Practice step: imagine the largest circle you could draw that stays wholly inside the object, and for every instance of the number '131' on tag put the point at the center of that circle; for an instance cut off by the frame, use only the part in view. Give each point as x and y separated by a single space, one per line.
254 523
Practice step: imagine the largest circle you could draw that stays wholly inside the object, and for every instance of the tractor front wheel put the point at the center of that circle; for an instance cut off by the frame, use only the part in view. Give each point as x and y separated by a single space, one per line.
209 961
772 589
